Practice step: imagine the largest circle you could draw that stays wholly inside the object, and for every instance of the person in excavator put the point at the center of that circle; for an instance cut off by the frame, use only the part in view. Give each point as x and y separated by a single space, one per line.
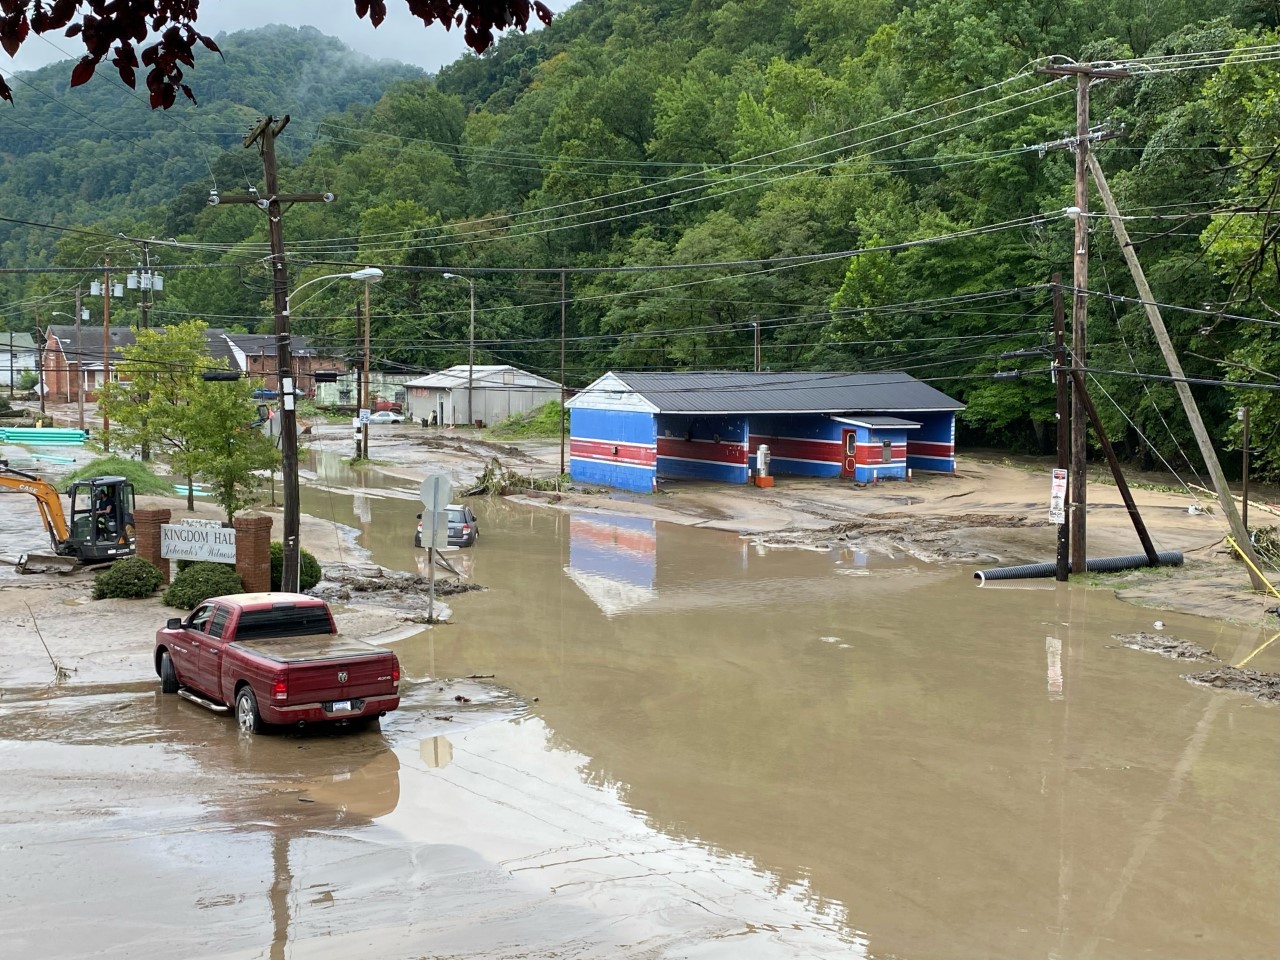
104 513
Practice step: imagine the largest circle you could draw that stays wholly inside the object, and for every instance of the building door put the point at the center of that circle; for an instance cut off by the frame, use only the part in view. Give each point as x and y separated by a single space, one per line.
849 460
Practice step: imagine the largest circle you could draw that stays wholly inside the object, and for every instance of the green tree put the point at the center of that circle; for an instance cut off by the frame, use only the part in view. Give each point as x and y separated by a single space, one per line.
231 451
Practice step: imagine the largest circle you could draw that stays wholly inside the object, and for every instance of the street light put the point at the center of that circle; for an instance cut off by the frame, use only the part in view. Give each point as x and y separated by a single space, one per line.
83 315
289 432
471 345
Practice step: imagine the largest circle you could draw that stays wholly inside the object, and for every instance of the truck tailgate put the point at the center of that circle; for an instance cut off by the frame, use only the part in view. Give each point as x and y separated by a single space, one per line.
328 667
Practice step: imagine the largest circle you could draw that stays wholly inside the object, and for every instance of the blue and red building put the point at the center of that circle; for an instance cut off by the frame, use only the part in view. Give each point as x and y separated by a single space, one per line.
629 430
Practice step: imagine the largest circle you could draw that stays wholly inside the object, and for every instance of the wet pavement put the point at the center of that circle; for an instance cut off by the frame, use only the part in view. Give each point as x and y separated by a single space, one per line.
692 746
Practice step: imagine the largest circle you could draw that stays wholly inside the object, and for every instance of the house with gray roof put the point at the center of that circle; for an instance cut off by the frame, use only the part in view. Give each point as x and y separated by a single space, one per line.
630 430
75 357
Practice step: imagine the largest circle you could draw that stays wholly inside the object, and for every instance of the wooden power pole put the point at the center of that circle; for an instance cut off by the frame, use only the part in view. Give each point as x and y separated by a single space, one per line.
264 135
1210 456
1079 476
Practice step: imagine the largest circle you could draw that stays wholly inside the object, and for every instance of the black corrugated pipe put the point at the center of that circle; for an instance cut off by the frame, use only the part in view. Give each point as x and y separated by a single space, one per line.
1030 571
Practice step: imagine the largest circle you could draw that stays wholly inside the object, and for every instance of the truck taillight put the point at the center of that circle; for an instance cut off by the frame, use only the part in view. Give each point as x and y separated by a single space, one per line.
395 671
279 689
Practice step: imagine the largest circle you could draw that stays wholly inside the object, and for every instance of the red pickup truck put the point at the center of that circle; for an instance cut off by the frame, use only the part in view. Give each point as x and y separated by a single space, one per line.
277 658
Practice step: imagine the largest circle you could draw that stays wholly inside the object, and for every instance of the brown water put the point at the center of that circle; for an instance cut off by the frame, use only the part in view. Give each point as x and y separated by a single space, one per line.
733 752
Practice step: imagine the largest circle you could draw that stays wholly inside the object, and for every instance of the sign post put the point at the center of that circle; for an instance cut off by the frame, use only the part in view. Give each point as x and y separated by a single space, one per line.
435 493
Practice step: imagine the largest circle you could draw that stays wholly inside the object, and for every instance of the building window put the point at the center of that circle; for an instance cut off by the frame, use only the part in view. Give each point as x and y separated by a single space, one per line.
851 445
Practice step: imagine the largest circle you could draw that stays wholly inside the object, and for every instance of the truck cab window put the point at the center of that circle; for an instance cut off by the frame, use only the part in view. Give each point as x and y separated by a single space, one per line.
220 618
200 619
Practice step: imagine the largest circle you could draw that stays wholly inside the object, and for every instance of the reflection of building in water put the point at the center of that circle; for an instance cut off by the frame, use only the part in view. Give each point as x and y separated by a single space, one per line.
616 561
613 559
436 752
363 506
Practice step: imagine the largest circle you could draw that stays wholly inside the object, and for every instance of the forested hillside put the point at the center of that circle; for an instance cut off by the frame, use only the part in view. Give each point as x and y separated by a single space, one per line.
871 185
96 155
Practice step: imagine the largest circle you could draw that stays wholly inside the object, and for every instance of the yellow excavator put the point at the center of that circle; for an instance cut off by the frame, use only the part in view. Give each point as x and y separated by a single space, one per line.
101 524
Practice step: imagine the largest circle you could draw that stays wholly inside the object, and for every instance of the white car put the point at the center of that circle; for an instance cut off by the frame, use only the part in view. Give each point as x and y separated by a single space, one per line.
386 416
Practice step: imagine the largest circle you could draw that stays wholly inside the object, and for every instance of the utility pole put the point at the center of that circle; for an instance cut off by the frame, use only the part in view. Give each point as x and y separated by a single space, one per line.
368 404
106 352
1062 386
40 362
562 388
1078 483
756 329
1243 415
471 357
11 372
1210 456
79 365
264 135
146 287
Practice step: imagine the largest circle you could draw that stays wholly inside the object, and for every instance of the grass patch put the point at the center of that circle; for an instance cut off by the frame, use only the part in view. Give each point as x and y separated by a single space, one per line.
145 482
542 422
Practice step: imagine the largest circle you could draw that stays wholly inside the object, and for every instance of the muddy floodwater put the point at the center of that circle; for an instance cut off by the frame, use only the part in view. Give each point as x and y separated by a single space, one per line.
691 746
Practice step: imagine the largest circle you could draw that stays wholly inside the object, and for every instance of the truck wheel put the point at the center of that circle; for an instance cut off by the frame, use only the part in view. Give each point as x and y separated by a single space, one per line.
247 717
168 674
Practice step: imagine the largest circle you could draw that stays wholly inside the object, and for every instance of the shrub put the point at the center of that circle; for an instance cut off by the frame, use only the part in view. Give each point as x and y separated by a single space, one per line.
131 578
199 582
309 572
144 481
27 380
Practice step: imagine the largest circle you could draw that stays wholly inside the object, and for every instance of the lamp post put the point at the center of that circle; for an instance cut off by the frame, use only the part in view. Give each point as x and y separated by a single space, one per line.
82 314
471 346
370 275
289 436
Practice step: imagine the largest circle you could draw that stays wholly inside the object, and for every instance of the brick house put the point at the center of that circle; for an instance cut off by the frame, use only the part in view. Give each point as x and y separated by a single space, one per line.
74 360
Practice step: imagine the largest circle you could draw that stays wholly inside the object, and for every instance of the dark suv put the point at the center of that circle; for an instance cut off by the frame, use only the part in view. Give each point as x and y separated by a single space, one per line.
463 529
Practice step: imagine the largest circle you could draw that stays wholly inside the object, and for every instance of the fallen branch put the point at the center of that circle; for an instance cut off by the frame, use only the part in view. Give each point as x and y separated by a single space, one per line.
60 673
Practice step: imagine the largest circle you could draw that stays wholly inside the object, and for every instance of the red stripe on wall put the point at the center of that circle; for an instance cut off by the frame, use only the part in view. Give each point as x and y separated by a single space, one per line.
792 448
873 453
603 450
733 453
922 448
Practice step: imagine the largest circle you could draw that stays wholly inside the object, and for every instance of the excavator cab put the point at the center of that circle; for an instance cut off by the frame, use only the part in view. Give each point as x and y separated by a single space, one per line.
101 526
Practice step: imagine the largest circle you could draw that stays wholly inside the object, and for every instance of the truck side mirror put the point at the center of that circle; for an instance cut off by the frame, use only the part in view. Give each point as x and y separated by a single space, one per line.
174 623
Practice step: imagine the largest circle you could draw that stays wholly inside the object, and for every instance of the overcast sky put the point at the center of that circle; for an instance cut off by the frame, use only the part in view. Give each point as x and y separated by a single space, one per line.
400 37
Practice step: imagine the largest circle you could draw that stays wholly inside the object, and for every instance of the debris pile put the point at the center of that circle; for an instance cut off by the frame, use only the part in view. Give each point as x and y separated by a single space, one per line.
1166 646
405 590
1263 686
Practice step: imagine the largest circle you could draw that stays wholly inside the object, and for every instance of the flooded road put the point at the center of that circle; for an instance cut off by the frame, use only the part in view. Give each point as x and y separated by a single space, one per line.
708 749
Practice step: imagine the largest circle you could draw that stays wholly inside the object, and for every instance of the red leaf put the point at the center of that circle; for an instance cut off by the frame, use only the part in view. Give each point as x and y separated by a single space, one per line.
210 44
362 8
74 30
83 71
377 12
5 92
12 38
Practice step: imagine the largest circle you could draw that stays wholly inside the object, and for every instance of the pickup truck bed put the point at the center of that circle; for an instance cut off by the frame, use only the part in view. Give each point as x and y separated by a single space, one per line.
283 671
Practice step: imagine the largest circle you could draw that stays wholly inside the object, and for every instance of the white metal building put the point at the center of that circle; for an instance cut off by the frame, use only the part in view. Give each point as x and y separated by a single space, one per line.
17 354
484 393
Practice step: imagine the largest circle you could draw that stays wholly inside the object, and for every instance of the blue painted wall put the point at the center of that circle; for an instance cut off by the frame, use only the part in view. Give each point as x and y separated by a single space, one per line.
935 428
614 448
703 447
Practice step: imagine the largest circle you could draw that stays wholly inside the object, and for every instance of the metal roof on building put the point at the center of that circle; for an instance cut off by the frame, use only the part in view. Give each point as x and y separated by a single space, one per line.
731 392
501 376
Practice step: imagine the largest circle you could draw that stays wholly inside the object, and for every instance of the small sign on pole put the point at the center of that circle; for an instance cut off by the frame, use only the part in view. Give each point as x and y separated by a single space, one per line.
435 493
364 415
1058 496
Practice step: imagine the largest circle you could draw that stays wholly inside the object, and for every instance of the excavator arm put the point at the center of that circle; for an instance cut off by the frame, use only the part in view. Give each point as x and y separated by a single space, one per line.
47 497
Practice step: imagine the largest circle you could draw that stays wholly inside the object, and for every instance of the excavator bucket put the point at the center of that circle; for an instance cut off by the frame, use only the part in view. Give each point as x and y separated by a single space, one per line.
46 563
